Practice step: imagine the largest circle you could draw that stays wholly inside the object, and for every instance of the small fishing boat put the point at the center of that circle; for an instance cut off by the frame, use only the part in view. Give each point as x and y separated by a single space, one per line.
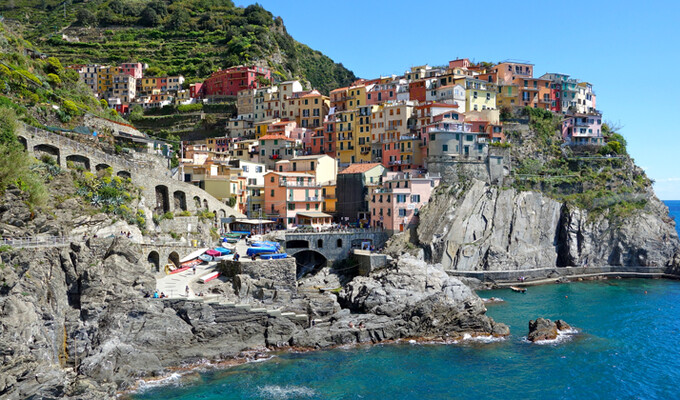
256 250
273 256
518 289
223 254
208 277
205 257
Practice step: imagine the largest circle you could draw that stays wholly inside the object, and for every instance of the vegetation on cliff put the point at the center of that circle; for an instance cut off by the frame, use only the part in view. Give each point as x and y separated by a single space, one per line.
188 37
595 178
40 90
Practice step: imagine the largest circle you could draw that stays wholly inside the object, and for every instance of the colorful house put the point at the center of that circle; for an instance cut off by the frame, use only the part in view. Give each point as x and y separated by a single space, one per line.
290 193
353 189
230 81
394 206
583 129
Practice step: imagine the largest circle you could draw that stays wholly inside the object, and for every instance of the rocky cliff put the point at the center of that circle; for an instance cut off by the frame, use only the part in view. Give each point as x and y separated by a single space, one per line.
74 321
487 228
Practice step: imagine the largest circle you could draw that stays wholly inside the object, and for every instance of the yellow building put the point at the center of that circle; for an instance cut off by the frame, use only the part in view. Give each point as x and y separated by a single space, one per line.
329 197
508 95
105 79
362 133
313 106
344 128
479 94
262 127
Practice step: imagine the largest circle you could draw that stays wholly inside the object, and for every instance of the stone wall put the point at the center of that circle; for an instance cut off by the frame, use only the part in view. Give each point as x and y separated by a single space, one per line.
494 168
368 261
109 126
282 272
147 172
335 246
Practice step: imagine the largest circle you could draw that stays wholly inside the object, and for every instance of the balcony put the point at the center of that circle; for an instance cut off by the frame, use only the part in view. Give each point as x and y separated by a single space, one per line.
405 161
408 137
546 100
298 184
306 199
530 88
455 128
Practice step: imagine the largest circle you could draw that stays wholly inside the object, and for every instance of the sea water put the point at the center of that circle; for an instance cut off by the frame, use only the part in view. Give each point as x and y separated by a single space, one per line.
674 209
627 348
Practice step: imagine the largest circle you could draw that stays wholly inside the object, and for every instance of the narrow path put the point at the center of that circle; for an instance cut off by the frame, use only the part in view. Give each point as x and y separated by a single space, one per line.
571 277
174 286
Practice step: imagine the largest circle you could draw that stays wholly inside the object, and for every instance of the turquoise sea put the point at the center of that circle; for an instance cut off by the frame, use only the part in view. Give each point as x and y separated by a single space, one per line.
674 208
628 348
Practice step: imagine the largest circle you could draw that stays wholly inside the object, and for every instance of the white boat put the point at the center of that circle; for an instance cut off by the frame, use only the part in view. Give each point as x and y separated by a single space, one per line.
194 255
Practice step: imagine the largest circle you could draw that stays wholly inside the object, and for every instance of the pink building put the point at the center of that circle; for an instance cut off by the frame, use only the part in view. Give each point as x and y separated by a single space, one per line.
135 70
394 206
195 90
232 80
583 129
288 193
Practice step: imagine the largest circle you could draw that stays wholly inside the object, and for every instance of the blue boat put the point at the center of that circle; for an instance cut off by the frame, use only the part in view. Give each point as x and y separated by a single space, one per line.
255 250
273 256
266 243
223 251
205 257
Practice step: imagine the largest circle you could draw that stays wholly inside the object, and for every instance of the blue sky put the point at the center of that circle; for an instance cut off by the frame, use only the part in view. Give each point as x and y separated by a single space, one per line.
629 50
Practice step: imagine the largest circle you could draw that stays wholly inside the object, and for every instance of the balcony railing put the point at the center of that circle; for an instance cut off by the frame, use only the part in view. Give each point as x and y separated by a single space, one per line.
531 88
545 100
311 198
298 184
408 137
455 128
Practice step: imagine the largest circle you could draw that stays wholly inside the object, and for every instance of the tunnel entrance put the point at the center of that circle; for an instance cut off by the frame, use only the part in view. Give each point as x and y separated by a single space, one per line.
309 262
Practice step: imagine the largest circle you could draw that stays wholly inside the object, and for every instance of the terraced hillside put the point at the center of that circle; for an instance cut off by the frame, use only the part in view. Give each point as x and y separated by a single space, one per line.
188 37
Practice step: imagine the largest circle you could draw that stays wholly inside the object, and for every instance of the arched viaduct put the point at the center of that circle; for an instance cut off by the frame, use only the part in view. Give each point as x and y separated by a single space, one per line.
161 192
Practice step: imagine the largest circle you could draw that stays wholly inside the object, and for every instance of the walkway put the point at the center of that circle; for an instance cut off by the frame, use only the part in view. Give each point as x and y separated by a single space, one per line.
174 286
39 241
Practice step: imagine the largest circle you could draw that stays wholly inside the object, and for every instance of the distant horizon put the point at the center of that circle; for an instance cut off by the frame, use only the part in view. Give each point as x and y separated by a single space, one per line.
382 40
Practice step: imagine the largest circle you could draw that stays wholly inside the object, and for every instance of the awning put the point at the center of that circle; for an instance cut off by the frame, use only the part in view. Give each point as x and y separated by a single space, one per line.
253 221
314 214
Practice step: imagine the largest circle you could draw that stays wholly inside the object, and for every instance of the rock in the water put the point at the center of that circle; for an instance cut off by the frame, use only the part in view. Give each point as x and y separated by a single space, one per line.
544 329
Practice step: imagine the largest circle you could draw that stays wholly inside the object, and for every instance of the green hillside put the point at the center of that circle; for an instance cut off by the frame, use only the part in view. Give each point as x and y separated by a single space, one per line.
188 37
41 91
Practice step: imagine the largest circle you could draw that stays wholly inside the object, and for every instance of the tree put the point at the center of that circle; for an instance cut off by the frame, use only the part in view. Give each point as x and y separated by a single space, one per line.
84 17
179 20
149 17
54 66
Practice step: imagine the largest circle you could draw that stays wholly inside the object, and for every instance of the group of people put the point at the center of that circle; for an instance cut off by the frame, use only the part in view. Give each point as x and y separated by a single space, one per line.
125 234
156 295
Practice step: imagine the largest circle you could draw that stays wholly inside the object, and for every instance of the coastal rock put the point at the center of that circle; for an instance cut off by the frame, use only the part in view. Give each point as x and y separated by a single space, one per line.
479 227
543 329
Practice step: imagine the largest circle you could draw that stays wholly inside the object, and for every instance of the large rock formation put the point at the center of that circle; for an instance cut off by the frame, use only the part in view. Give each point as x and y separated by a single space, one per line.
487 228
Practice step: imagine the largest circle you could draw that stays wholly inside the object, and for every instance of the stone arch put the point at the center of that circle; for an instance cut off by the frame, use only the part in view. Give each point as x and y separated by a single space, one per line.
46 149
339 243
101 167
309 262
319 243
124 174
155 260
180 200
162 200
223 214
197 202
173 258
297 244
23 142
78 161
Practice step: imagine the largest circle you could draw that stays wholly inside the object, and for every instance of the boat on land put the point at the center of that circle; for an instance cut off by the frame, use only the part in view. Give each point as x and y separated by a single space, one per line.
518 289
224 254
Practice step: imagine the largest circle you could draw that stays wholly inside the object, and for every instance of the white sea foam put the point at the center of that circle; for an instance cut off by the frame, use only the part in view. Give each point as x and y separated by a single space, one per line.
285 392
562 336
481 339
172 379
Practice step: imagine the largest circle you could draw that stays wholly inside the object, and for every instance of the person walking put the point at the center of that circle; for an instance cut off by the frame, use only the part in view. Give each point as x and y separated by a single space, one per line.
187 290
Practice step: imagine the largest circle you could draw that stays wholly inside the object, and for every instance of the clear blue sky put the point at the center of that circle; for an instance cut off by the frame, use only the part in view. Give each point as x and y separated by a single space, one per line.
629 50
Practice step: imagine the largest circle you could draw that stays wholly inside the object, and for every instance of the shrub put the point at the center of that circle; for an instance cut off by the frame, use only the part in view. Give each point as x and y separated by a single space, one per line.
70 108
169 215
54 80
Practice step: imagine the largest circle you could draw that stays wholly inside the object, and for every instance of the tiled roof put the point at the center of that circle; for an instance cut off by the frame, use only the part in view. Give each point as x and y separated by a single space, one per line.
275 137
359 168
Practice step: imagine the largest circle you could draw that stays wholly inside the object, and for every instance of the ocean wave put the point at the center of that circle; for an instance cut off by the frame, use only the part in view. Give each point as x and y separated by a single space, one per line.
562 336
174 379
481 338
285 392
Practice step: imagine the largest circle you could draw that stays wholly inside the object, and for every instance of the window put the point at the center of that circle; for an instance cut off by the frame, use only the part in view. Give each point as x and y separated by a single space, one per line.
389 212
339 243
272 193
469 138
291 206
271 179
445 147
415 198
319 243
401 198
402 212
